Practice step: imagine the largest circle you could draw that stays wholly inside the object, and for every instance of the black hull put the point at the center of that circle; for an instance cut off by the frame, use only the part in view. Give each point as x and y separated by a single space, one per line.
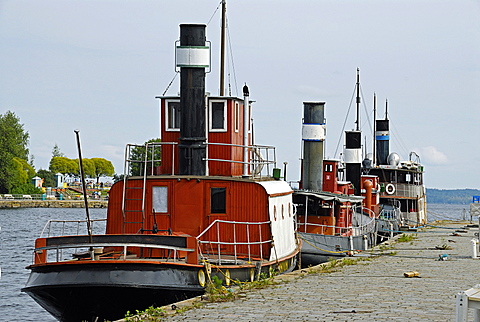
97 303
106 291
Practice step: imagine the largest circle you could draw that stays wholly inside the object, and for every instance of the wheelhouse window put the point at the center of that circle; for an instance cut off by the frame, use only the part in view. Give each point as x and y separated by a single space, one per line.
218 112
172 115
237 117
218 200
160 199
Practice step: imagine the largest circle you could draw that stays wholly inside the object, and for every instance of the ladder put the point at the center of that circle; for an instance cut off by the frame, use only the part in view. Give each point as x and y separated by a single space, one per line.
133 201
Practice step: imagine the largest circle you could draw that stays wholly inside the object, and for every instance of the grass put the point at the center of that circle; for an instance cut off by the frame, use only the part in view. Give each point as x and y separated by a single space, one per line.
152 314
404 238
334 264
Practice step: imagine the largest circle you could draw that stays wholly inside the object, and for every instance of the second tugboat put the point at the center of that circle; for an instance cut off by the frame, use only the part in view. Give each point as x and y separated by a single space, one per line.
209 208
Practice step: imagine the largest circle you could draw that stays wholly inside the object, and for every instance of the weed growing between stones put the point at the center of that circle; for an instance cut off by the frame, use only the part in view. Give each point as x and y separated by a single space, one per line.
404 238
152 314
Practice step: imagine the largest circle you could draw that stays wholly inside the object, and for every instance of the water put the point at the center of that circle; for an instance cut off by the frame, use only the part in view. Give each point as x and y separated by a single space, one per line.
20 228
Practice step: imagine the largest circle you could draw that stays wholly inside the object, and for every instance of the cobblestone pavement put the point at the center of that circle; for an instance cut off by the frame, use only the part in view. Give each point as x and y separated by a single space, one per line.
372 290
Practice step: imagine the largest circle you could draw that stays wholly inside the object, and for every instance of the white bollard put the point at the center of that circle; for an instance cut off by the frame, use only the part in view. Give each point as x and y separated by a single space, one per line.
474 243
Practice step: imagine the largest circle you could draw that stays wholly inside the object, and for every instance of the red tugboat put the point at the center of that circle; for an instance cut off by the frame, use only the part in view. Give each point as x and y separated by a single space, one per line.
209 208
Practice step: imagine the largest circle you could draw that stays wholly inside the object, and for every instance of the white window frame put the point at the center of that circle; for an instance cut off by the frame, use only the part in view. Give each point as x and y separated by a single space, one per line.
210 115
236 122
160 199
167 114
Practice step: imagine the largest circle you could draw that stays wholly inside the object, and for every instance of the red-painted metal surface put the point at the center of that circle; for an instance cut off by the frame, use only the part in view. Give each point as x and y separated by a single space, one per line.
189 208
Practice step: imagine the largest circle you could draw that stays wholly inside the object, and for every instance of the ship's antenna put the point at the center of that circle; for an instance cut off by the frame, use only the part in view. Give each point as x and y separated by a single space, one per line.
374 161
358 100
386 108
84 188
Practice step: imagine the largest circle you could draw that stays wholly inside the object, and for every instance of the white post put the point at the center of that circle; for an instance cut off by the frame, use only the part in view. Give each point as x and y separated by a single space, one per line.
246 120
365 242
461 313
391 230
474 243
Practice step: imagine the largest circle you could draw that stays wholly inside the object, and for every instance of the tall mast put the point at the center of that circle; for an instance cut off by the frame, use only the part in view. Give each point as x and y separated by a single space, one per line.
358 100
386 109
374 161
222 48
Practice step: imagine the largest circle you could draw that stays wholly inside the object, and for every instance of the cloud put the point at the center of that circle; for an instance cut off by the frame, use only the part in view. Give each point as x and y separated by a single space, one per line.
430 155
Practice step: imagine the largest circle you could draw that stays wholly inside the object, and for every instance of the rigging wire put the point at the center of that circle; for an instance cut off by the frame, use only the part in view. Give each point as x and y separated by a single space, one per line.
170 84
233 63
398 140
176 73
213 15
345 122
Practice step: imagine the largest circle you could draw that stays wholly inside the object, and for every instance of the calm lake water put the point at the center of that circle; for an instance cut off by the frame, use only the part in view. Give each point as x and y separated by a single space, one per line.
20 228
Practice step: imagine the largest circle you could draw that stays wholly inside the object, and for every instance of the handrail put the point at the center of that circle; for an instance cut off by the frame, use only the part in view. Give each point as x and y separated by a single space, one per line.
257 159
48 225
359 230
235 243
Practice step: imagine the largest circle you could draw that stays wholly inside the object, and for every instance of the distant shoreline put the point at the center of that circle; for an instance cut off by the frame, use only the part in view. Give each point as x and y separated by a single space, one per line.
7 204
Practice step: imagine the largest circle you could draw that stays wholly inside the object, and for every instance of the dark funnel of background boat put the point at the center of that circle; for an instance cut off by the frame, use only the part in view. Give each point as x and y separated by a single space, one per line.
313 135
353 159
382 139
192 148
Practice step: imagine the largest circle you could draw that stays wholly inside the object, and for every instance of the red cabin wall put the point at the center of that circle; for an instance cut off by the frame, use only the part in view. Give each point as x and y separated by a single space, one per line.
330 178
189 209
233 135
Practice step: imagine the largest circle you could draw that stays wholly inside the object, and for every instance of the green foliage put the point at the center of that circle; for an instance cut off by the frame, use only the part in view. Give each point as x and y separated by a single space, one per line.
152 314
26 189
88 167
64 166
56 151
404 238
48 177
103 168
13 147
138 154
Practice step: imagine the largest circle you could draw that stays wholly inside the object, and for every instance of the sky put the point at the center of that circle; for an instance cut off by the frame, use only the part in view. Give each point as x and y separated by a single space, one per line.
97 65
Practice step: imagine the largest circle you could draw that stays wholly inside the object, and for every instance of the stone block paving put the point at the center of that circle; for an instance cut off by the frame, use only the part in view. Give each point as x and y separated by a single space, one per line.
372 290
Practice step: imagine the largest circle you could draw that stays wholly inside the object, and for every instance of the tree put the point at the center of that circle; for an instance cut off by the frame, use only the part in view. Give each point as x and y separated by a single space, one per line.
48 177
88 167
64 166
138 154
22 178
13 144
56 151
103 168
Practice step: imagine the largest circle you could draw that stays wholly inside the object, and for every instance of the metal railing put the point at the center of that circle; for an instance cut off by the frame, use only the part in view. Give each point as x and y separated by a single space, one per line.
262 158
81 248
71 227
405 190
241 238
367 227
